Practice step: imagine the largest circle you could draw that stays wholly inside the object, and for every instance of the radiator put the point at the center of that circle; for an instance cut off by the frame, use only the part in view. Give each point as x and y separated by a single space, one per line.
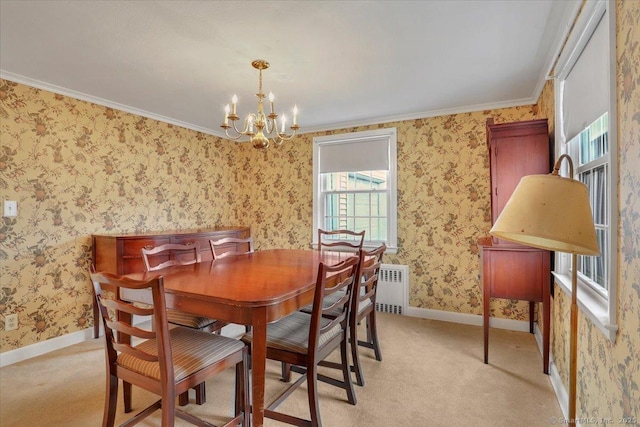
393 289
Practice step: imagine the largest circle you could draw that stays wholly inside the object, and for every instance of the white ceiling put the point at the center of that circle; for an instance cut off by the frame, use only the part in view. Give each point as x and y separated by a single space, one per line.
344 63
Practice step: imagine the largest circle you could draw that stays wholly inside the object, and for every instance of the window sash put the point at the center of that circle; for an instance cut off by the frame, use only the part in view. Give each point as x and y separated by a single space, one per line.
357 210
591 149
370 188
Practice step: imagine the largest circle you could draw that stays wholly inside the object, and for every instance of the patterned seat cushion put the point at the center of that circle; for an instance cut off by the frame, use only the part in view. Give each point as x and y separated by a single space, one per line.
189 320
192 350
292 333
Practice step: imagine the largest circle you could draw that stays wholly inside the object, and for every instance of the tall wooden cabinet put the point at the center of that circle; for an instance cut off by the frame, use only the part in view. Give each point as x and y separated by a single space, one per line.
510 270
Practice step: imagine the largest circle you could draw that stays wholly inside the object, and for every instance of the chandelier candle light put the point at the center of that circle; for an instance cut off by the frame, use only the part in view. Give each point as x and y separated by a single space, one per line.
256 125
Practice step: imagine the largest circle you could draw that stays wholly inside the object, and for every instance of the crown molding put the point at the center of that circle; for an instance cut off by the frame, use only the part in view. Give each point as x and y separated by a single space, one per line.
217 133
105 102
422 115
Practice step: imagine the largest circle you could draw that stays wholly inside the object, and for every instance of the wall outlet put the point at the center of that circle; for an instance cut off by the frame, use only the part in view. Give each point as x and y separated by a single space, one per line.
11 322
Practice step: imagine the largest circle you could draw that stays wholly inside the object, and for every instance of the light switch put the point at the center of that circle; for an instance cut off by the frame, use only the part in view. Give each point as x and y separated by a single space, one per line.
10 208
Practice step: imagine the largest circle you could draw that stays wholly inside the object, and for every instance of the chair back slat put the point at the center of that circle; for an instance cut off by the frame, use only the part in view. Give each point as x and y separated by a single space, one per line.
340 240
127 307
231 246
131 330
178 254
339 278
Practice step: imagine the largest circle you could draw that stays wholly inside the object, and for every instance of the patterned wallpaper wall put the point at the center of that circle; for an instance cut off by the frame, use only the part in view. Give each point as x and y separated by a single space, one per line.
608 383
609 373
443 204
76 168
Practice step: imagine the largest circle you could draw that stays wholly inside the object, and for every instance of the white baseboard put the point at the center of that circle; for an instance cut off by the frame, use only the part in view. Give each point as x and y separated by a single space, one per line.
468 319
558 387
27 352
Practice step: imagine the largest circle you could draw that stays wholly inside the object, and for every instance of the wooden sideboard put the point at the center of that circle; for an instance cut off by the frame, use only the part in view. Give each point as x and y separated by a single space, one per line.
121 253
509 270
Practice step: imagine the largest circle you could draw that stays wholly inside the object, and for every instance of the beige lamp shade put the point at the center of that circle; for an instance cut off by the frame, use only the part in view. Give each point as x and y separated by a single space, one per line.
549 212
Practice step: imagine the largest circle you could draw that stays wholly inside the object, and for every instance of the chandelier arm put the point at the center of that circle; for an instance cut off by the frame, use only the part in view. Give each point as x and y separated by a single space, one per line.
233 138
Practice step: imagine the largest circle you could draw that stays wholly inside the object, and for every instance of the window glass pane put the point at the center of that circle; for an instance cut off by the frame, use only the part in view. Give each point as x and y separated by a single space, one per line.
362 180
349 205
598 191
381 232
382 205
362 204
363 224
349 224
593 141
379 180
331 204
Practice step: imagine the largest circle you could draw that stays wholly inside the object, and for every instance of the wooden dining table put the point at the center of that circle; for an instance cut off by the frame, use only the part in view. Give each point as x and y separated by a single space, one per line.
251 289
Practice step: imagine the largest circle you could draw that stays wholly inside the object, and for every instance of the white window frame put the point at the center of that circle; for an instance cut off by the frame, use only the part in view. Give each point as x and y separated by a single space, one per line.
600 307
392 186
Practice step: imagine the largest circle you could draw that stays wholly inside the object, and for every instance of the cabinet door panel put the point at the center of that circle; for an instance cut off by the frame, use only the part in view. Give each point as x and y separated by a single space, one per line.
510 167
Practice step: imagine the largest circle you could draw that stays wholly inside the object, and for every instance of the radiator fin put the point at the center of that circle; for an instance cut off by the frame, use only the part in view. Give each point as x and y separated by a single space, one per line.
393 289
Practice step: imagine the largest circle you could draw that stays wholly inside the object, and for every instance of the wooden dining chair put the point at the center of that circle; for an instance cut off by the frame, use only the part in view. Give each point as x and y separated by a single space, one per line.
340 240
167 255
363 307
337 240
306 339
230 246
166 361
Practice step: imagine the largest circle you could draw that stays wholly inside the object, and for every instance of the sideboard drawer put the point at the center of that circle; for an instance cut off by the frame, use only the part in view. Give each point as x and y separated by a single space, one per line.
133 247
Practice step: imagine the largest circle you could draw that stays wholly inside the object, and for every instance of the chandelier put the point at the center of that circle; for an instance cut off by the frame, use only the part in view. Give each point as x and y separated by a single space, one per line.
259 127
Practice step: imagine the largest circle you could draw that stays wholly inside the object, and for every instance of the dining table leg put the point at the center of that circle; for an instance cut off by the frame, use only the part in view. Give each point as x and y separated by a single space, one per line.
258 365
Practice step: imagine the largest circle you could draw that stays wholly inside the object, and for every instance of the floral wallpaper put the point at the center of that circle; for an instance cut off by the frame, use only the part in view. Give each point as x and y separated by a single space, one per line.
608 377
76 168
609 373
443 204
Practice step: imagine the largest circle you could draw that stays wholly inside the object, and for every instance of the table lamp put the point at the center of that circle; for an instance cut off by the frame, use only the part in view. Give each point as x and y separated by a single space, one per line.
553 213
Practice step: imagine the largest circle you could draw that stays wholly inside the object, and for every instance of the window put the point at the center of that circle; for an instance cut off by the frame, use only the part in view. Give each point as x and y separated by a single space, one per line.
586 130
590 151
355 185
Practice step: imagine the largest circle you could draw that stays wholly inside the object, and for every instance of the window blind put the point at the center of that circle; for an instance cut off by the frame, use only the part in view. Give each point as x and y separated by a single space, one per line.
585 95
356 155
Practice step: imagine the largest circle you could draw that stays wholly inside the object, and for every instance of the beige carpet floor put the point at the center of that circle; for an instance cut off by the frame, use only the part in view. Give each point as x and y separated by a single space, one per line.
432 374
